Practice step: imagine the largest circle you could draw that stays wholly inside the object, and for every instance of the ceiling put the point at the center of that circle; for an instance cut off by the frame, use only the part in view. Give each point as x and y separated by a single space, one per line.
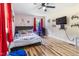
31 9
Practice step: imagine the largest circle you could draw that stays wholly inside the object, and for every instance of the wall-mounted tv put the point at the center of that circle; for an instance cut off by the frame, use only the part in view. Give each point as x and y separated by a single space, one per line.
61 20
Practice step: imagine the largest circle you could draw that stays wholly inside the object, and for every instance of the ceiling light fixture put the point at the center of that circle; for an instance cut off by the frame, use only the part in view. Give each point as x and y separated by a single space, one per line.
44 8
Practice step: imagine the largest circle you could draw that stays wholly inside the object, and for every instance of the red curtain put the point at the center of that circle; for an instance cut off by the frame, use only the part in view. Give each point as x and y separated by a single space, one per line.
9 20
34 27
3 41
41 23
3 18
0 32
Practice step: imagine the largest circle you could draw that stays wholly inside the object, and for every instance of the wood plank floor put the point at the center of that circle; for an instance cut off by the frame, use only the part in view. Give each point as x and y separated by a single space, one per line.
52 47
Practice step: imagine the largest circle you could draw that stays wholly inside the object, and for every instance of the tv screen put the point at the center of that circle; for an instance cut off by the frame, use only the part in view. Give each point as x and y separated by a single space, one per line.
61 20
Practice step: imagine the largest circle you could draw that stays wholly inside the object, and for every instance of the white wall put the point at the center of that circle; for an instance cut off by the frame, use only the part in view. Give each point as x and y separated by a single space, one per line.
60 34
22 20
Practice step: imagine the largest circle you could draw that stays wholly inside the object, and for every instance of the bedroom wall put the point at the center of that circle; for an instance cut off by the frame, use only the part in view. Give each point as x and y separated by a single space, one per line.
55 32
22 20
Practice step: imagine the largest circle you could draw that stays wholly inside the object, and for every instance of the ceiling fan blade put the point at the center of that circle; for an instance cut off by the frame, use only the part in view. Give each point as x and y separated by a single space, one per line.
40 7
50 6
35 3
43 4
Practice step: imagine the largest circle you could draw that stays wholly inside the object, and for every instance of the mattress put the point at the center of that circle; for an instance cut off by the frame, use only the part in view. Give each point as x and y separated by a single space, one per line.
26 40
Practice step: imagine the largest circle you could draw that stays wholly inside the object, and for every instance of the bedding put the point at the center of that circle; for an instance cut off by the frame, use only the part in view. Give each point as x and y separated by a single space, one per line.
25 39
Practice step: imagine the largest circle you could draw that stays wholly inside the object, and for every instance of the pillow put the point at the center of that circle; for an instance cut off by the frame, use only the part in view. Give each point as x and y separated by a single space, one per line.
30 31
22 31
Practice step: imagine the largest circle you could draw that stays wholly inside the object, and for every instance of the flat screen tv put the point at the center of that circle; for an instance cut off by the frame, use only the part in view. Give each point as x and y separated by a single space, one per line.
61 20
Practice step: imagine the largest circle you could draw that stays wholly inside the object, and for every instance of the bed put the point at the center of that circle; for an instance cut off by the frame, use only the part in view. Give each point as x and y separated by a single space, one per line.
25 38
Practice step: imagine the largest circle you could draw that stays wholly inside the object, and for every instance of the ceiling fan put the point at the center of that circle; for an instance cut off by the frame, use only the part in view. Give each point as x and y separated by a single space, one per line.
44 6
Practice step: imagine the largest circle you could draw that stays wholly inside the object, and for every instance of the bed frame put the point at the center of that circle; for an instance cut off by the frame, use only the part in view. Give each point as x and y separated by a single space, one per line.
17 28
26 46
23 28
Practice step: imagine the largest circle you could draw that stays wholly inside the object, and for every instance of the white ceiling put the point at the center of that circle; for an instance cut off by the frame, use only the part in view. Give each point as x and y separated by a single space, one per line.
31 9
